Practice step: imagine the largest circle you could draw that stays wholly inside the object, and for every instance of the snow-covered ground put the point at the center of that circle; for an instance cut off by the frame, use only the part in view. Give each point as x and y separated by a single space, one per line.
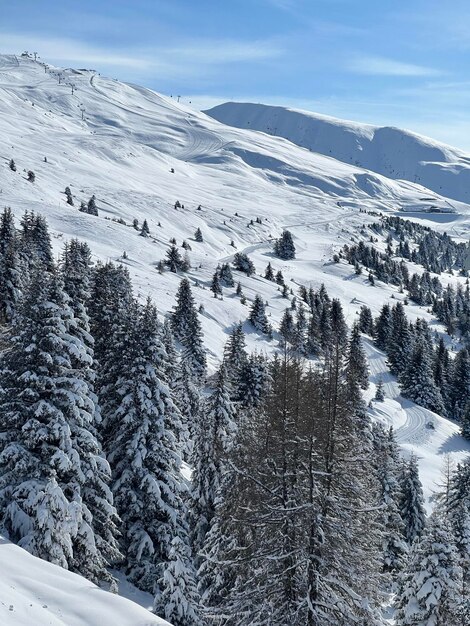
393 152
36 593
124 150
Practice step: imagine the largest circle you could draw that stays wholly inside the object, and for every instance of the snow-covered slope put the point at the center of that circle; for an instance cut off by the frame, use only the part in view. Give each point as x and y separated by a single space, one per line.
36 593
123 150
389 151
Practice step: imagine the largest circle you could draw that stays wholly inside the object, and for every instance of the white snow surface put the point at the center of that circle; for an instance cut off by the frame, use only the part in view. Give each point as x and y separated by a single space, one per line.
36 593
123 152
392 152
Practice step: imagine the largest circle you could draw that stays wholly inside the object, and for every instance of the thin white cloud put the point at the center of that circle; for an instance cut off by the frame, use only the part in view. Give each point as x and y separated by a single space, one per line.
163 61
381 66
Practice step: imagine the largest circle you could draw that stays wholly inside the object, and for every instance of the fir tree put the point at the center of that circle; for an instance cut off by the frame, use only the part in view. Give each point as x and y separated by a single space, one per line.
226 277
430 585
215 285
69 196
243 263
269 273
284 247
12 165
214 438
366 322
145 230
11 274
187 330
198 235
412 501
417 381
258 317
174 260
52 473
380 391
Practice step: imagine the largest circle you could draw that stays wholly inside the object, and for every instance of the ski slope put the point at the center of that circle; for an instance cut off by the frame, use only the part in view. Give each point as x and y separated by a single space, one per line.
36 593
412 426
121 143
392 152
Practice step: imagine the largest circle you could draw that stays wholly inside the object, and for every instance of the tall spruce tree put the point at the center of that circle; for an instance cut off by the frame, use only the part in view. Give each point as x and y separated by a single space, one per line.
187 330
11 274
52 472
430 587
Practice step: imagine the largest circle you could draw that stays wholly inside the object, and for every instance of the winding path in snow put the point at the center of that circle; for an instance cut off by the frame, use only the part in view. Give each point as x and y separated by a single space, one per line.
410 423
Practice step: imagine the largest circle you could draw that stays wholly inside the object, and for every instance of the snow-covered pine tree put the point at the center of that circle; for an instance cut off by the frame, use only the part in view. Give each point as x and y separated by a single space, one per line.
49 450
417 380
174 260
146 463
75 266
145 230
380 391
215 436
366 322
383 328
399 346
243 263
226 276
287 328
358 370
215 285
187 330
394 546
284 247
269 273
412 500
235 358
198 235
430 586
11 274
460 384
258 317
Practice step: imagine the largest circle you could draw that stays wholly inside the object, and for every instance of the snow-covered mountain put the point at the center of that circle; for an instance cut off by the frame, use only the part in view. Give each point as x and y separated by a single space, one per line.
391 152
139 152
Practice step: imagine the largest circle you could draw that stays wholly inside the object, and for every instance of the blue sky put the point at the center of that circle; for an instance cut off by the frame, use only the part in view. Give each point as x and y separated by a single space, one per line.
397 63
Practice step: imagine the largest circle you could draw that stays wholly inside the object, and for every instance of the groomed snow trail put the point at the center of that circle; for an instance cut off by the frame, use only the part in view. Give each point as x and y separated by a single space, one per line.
411 424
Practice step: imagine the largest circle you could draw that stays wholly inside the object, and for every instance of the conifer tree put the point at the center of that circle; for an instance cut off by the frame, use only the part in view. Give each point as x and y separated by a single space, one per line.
198 235
226 277
399 348
145 463
243 263
235 359
383 328
412 501
417 381
258 317
430 588
287 328
11 275
187 330
366 322
145 230
269 273
284 247
380 392
52 473
215 435
215 285
174 260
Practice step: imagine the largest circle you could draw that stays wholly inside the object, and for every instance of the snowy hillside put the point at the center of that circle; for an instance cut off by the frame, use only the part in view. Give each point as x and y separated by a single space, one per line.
124 150
392 152
33 591
146 157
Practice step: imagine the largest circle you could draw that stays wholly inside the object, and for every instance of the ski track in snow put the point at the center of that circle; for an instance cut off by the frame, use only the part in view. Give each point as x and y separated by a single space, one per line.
411 425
